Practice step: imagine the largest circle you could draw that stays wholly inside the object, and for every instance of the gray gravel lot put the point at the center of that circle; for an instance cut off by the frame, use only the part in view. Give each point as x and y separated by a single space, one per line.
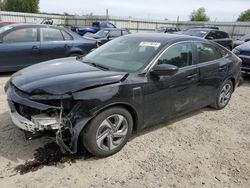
206 148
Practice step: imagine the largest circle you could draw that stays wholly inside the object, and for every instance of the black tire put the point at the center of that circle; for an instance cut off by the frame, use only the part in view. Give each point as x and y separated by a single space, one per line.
222 103
94 142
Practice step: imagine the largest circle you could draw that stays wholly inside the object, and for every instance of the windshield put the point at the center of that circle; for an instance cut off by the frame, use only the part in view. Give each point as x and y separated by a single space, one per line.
196 33
127 54
102 33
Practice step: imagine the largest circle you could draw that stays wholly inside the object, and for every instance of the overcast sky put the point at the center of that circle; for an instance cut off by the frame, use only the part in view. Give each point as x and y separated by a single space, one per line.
219 10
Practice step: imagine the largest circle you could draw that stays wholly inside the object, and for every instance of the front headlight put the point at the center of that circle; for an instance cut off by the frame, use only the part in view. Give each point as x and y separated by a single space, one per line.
236 52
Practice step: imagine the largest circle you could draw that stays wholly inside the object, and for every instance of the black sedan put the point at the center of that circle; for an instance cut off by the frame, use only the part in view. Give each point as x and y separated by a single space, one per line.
243 51
22 45
130 83
215 35
107 34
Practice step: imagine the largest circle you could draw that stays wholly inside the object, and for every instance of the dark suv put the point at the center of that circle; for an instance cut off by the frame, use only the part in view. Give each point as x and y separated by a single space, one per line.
215 35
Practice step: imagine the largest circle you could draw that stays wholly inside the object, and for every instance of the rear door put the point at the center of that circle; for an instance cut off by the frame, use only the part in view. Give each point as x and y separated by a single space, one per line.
55 43
212 71
19 48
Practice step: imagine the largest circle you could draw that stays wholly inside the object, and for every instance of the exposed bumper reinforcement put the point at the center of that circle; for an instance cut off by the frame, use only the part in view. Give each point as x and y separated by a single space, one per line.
19 120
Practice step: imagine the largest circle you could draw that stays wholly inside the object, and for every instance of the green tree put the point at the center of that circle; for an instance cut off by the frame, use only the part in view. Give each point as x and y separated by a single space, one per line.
244 16
199 15
31 6
1 5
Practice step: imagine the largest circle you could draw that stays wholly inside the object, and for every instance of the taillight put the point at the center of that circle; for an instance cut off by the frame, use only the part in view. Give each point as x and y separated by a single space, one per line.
97 44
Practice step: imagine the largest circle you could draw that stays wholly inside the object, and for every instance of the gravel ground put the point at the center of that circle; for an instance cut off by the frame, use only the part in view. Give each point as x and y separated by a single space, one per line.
205 148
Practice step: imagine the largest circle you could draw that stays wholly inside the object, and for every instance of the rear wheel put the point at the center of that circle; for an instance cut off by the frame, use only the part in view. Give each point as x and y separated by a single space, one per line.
108 132
224 95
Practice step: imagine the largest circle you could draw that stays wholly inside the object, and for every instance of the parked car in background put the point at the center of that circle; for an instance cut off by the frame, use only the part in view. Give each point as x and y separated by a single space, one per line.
243 52
107 34
22 45
241 40
205 27
6 23
96 26
215 35
164 29
128 84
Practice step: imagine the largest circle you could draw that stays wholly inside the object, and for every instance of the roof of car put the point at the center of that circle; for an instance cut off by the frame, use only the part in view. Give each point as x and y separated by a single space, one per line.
164 38
31 25
110 29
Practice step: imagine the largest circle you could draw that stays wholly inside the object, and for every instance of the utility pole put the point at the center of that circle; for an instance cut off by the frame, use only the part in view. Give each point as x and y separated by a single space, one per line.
107 14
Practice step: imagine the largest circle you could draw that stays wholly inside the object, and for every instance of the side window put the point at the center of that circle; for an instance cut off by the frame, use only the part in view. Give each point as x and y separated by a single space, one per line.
51 34
211 35
224 35
115 33
179 55
66 36
21 35
110 25
103 25
207 52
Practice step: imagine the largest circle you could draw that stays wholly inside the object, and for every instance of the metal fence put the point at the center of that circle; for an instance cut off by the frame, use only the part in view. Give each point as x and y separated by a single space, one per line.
235 29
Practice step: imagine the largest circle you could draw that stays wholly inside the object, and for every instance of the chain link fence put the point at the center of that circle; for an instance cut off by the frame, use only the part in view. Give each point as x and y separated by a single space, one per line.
235 29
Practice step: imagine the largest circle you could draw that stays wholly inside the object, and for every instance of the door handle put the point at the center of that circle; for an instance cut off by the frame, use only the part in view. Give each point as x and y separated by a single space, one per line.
35 48
192 76
67 46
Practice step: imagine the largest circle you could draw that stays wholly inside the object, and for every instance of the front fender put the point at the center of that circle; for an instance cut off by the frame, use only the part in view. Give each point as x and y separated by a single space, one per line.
93 100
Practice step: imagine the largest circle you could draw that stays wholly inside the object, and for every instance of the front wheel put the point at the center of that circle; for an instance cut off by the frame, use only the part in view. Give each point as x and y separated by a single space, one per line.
108 132
224 95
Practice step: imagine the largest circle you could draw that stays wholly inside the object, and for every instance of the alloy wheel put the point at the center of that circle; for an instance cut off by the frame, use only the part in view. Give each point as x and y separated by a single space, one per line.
112 132
225 95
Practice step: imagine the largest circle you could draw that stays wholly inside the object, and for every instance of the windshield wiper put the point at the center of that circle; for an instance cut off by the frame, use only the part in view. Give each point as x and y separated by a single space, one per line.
96 65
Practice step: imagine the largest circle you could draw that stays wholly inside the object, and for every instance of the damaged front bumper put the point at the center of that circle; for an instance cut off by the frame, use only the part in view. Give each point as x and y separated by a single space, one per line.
20 121
34 122
34 116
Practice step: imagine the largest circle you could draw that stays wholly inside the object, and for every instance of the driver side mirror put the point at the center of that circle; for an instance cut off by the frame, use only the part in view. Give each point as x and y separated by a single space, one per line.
164 70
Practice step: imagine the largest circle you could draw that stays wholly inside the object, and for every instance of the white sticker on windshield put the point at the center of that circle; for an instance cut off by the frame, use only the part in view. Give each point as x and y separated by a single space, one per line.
151 44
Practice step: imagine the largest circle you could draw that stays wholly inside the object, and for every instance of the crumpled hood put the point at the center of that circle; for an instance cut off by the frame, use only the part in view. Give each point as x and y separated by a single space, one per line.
62 76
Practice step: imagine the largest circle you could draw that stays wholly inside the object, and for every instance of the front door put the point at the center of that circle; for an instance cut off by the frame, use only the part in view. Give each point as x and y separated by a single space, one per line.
166 96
